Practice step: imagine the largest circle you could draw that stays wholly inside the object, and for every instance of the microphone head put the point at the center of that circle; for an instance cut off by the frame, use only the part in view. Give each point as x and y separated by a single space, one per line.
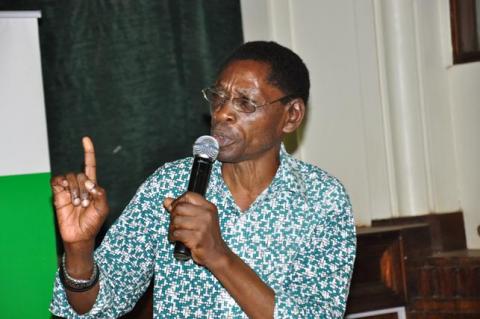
207 147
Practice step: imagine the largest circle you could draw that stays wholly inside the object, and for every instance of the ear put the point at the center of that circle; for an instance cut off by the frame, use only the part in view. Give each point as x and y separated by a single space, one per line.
295 114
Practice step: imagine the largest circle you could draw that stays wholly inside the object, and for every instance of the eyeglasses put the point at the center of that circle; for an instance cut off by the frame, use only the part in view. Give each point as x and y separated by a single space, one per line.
240 104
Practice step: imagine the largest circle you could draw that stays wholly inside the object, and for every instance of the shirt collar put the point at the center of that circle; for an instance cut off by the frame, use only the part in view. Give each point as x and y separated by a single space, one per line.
288 176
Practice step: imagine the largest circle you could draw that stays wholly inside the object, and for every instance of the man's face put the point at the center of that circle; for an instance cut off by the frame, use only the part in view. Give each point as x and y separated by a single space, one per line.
248 136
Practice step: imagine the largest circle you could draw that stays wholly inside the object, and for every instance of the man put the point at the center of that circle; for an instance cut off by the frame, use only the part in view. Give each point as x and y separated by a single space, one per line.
273 237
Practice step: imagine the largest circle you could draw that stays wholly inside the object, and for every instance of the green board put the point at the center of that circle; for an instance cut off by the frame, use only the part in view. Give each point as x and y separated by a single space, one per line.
27 246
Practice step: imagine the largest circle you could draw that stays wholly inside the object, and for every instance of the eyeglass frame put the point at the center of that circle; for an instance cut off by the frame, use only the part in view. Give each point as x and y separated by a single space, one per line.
231 99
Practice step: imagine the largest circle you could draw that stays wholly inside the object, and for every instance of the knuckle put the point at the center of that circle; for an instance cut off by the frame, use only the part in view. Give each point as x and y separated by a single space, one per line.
180 198
177 234
176 221
210 217
55 178
189 197
181 206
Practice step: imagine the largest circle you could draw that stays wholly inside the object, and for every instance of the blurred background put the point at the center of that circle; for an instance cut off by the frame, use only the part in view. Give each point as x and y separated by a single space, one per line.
394 111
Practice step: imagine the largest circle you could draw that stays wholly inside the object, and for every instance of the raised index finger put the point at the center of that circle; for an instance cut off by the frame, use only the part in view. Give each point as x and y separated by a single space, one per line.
90 161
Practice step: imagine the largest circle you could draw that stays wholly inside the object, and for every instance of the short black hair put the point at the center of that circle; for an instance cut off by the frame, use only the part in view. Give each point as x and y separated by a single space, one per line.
287 70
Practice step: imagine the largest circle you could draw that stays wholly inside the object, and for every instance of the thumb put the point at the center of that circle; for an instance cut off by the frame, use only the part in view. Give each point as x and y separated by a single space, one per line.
98 194
167 203
93 189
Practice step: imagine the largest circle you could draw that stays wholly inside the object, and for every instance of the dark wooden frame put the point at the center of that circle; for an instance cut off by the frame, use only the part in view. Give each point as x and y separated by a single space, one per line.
465 40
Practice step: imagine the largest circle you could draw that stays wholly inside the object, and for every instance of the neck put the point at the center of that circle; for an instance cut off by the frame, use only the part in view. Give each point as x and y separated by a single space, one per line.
248 179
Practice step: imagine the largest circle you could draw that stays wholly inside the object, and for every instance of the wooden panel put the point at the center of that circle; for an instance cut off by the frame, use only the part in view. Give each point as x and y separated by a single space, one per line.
447 230
448 286
463 20
383 255
420 262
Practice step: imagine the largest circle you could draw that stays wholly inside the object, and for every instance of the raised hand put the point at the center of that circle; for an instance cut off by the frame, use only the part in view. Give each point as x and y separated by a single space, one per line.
80 204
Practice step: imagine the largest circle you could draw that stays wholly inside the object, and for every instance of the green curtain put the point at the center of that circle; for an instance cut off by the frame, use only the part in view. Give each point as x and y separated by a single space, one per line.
128 73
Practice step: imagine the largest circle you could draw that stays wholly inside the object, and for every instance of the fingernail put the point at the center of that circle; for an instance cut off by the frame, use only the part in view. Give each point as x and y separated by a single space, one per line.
76 201
89 185
85 202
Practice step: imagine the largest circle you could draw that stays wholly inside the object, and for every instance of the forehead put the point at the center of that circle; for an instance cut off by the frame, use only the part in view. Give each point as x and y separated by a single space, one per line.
245 74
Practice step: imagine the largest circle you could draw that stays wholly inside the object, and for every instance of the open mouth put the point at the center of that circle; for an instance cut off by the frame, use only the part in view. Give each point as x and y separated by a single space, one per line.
224 137
223 140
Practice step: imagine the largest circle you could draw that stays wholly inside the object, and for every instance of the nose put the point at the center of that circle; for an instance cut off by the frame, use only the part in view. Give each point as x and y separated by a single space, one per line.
224 113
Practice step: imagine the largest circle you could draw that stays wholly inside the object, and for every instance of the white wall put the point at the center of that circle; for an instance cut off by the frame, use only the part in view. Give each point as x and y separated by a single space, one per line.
23 125
464 83
337 42
389 114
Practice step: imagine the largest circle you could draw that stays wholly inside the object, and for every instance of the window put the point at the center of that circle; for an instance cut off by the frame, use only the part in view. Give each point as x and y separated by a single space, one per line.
465 24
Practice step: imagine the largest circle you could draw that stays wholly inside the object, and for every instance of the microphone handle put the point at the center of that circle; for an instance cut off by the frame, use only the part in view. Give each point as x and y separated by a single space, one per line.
198 183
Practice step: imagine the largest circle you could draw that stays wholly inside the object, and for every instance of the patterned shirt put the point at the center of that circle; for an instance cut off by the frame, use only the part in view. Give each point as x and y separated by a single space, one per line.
298 236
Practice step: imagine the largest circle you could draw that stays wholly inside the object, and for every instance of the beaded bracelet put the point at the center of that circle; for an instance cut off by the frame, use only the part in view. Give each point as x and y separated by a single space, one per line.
78 285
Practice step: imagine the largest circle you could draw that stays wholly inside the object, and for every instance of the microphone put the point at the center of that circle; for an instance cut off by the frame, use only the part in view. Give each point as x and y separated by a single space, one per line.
205 152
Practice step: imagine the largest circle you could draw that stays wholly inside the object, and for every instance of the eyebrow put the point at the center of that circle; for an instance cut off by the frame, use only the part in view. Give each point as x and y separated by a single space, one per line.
247 93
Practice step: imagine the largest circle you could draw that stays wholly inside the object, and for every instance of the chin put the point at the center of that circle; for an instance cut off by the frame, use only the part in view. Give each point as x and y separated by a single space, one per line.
228 157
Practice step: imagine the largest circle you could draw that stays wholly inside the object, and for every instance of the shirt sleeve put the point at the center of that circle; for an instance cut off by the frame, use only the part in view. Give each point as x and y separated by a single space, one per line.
125 258
319 280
